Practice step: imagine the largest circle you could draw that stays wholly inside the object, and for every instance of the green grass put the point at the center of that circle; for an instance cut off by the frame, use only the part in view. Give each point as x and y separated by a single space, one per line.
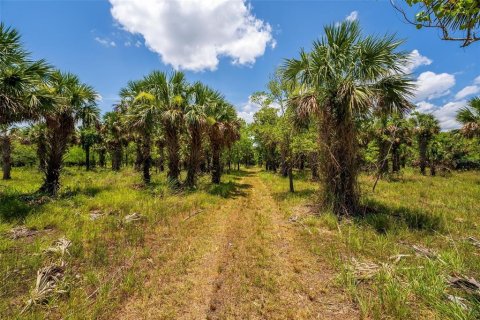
437 213
103 267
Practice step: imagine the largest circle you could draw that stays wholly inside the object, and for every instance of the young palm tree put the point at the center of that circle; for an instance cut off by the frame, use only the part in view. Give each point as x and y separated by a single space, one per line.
60 116
19 79
337 83
90 120
223 131
426 126
469 117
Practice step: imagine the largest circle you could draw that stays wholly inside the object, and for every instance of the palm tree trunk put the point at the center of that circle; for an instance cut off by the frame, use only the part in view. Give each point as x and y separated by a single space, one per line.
216 166
146 157
395 157
161 155
194 156
117 157
314 165
422 144
433 168
58 132
6 156
173 149
290 178
339 166
101 158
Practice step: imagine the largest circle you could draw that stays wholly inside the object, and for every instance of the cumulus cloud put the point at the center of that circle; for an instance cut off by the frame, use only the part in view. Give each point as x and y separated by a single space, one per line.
247 110
417 60
352 16
106 42
194 34
467 91
477 80
445 114
431 85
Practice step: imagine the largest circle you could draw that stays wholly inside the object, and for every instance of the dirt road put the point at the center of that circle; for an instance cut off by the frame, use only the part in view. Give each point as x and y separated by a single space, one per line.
241 260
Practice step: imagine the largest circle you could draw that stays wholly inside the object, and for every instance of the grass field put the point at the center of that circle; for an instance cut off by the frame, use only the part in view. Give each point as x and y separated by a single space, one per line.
112 265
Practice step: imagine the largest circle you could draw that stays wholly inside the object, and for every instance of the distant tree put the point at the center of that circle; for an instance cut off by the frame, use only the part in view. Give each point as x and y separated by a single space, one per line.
469 117
89 134
458 20
426 126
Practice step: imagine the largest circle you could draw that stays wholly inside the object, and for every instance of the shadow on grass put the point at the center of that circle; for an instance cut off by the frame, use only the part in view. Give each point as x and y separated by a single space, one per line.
16 206
229 189
240 173
386 219
285 195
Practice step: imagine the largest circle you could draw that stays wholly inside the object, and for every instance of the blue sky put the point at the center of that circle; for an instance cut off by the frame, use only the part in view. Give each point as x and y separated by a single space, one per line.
231 45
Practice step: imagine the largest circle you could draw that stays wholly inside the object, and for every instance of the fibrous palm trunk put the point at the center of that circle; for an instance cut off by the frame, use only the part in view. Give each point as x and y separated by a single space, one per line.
314 165
161 155
101 157
194 156
422 144
216 165
395 157
339 165
146 156
42 152
6 156
173 148
58 132
116 157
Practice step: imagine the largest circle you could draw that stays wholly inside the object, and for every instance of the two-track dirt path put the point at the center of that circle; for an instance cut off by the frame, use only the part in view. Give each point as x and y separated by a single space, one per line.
240 260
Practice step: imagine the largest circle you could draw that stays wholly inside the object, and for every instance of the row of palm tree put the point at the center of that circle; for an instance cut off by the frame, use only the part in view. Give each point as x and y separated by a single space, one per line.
167 109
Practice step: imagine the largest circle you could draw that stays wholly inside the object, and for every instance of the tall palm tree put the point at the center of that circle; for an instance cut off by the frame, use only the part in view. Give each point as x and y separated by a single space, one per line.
196 120
469 117
142 115
337 83
426 126
223 131
114 137
19 79
170 95
61 114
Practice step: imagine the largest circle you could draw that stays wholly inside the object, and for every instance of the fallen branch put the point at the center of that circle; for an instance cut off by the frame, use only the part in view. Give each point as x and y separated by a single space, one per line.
191 215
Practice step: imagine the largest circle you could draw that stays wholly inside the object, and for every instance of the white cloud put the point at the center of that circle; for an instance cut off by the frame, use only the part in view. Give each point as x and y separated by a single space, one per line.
425 107
193 34
248 110
477 80
445 114
352 16
106 42
467 91
417 60
431 85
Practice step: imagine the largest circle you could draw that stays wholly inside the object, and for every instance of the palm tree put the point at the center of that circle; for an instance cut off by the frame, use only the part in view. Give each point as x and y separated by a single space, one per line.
114 140
70 97
142 115
19 79
426 126
469 117
337 83
89 117
196 120
170 95
223 131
